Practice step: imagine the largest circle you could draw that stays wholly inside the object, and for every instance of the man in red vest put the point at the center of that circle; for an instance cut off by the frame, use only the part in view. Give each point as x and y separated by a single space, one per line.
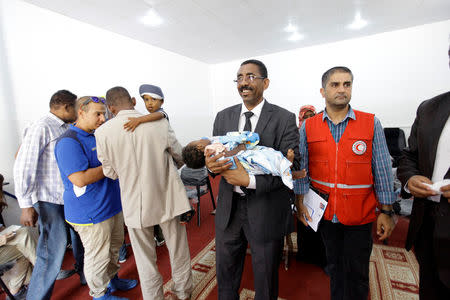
349 165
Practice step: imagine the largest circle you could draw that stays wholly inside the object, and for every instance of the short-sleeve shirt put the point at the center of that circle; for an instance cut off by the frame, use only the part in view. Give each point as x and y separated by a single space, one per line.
76 151
163 112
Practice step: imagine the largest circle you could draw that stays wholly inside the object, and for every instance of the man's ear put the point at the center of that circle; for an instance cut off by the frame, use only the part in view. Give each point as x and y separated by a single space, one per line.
133 100
80 111
67 107
266 83
112 109
322 91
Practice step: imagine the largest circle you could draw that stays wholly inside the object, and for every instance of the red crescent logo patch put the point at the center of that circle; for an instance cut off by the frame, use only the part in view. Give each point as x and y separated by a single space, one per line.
359 147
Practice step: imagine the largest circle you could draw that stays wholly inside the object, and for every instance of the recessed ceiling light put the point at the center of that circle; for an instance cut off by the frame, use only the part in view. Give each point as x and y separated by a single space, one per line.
290 28
358 22
295 36
152 18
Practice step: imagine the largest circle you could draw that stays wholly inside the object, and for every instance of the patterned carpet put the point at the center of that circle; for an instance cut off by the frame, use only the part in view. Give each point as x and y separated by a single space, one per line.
204 275
394 274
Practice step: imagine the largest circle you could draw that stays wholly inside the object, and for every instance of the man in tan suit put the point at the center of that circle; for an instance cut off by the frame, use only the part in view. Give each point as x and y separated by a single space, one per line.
151 191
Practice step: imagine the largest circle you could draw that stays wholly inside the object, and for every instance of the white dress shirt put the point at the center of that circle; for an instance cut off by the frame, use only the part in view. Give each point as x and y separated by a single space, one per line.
442 160
254 121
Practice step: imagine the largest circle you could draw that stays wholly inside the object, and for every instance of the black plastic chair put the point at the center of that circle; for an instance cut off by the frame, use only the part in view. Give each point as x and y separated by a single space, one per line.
197 178
396 142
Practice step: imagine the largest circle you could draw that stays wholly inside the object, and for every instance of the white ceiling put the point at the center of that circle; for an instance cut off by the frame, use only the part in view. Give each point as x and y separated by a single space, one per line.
215 31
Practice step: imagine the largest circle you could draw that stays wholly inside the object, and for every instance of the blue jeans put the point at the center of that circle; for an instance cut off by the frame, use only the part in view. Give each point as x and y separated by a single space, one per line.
51 249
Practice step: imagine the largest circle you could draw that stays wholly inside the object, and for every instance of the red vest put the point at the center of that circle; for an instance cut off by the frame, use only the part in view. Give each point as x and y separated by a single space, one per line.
343 170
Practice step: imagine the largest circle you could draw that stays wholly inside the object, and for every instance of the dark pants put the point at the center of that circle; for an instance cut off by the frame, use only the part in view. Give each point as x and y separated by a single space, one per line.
348 250
431 287
310 246
231 248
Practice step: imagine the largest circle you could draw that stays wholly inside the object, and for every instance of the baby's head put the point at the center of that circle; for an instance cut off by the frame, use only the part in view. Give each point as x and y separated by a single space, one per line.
153 97
194 154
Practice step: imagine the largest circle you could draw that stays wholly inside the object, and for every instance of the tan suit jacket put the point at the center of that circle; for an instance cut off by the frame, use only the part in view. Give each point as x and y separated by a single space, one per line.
151 189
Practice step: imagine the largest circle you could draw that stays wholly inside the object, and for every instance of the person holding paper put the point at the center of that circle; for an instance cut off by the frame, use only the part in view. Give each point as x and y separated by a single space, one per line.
426 161
348 163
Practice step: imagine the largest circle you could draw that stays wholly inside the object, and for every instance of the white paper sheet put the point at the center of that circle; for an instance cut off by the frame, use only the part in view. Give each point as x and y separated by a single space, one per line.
436 187
79 191
316 206
9 229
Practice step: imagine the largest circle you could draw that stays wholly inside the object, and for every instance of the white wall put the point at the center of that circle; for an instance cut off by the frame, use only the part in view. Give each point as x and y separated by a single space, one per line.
393 72
46 52
42 52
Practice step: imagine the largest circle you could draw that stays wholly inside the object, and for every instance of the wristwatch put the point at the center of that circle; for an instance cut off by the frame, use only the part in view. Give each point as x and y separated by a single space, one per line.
390 213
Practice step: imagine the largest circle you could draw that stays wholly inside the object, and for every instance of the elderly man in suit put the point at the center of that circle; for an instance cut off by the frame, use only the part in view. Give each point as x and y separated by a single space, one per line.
427 160
252 209
151 191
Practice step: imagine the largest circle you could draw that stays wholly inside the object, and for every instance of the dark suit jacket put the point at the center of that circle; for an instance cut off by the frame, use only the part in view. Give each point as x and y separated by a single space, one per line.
268 205
418 159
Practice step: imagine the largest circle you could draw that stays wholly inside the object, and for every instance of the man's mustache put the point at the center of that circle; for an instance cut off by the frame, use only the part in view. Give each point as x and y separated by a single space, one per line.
341 95
245 88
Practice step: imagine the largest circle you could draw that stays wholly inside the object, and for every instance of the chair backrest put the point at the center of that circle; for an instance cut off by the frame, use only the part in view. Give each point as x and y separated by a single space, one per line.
194 176
396 142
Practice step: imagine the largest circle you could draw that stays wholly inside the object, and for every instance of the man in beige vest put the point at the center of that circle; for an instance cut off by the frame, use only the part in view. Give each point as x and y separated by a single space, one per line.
151 191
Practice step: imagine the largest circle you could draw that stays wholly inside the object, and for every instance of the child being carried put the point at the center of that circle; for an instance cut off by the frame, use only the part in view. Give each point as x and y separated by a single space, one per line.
256 160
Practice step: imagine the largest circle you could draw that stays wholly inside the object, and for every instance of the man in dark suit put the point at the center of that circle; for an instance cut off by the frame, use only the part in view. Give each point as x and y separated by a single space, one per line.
252 209
427 160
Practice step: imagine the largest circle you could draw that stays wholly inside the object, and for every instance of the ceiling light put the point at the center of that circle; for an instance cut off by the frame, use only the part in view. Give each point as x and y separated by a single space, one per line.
295 36
290 28
151 18
358 22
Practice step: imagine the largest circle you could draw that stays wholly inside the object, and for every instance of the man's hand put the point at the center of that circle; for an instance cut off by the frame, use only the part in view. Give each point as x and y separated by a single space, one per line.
417 189
6 238
446 192
215 165
131 124
299 174
237 176
385 225
28 217
302 211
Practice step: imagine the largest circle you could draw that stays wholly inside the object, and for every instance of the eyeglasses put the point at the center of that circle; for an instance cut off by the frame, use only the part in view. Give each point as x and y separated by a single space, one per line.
94 99
250 78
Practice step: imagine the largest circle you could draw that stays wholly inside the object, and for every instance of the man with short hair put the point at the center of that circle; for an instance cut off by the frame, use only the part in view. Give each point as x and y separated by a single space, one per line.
252 209
348 163
426 161
91 201
151 191
39 191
